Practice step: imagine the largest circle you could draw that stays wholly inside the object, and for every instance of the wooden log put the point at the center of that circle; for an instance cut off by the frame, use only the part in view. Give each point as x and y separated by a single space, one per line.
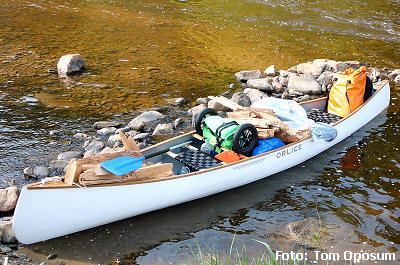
99 176
107 156
73 171
128 142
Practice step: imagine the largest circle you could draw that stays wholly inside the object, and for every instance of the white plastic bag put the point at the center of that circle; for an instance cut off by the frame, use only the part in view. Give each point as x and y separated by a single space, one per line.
289 111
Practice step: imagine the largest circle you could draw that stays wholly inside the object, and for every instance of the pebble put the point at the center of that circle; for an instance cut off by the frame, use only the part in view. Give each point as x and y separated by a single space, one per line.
166 128
69 155
200 101
107 124
141 136
106 131
81 136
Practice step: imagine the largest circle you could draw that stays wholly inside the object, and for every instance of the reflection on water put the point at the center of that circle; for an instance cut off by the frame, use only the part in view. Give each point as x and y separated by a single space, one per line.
137 51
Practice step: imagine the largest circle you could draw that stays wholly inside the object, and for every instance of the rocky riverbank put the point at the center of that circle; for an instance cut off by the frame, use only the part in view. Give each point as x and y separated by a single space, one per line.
302 82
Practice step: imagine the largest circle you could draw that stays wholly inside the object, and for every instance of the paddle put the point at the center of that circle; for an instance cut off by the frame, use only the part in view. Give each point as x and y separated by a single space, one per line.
126 164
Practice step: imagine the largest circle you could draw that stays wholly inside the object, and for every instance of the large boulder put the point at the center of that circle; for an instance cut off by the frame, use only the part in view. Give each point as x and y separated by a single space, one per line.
8 198
325 78
166 128
242 99
70 63
69 155
310 68
107 124
144 119
245 75
263 84
301 85
254 94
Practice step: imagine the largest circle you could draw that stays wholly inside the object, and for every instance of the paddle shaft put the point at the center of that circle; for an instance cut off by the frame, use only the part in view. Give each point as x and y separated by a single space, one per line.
166 150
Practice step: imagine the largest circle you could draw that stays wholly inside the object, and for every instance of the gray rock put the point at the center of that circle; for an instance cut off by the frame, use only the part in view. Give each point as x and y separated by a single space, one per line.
8 233
40 172
106 131
397 80
94 147
284 81
195 111
309 68
54 132
375 75
200 101
114 138
5 249
81 136
166 128
254 94
29 99
8 198
245 75
144 119
124 129
292 69
302 85
325 78
141 136
353 64
180 101
392 75
217 106
278 87
107 124
263 84
58 164
270 71
69 155
178 121
283 73
70 63
242 99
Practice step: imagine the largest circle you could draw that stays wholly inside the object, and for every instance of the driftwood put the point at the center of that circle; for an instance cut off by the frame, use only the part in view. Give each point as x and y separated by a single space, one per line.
98 175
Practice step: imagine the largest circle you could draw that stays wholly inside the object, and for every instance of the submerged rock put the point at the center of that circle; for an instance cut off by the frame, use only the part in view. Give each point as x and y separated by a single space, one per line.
303 85
245 75
8 198
69 155
69 64
144 119
107 124
263 84
166 128
242 99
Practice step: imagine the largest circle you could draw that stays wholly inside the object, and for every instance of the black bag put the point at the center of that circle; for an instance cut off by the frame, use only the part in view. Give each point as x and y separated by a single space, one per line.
369 89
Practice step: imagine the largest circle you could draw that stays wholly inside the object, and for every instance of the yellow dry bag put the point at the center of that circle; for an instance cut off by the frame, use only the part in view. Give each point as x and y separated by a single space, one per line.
347 92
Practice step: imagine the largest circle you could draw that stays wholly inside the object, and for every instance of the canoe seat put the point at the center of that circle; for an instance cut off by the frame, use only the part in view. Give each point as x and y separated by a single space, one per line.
322 116
197 160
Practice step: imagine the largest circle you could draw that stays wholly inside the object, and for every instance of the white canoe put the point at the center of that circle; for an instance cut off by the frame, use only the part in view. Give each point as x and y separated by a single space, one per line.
43 213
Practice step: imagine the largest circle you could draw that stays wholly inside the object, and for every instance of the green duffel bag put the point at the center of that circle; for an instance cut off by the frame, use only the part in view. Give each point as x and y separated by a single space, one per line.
220 131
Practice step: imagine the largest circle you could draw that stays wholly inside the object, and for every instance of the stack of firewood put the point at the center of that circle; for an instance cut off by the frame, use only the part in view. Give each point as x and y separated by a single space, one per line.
266 122
88 172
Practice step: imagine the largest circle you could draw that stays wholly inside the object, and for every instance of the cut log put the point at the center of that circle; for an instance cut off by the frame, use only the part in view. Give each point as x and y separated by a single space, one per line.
99 176
266 133
128 142
73 171
108 156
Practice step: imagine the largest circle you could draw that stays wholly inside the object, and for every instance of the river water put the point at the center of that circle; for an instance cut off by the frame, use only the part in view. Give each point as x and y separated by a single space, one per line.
140 53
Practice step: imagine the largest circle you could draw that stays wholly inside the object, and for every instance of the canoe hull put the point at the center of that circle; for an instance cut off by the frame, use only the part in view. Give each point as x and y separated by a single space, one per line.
59 212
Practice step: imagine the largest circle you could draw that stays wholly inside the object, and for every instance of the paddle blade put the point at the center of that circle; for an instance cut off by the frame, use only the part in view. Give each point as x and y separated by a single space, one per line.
122 165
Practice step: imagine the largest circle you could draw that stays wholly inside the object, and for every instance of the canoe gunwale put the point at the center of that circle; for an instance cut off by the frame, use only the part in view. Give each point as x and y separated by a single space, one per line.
59 185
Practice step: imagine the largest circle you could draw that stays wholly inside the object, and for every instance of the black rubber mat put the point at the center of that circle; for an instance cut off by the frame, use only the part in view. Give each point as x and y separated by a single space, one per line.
322 116
197 160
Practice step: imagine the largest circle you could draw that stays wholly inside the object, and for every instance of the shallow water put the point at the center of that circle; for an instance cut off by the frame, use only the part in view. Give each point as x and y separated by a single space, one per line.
139 53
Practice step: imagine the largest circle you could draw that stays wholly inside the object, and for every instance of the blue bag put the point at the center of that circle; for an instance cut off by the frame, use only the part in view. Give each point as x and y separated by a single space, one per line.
267 145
